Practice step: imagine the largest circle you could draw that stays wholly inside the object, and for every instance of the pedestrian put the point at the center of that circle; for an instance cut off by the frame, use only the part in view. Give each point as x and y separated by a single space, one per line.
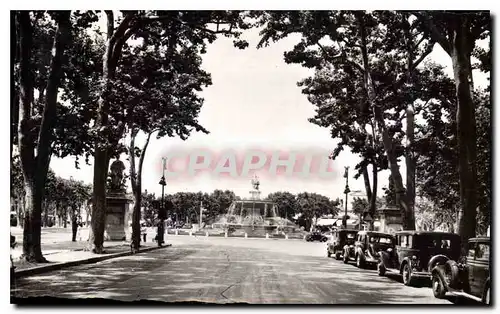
74 226
144 232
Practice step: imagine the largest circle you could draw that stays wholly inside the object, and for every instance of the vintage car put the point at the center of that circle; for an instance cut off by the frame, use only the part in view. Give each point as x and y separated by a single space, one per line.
417 252
316 236
367 247
471 278
339 239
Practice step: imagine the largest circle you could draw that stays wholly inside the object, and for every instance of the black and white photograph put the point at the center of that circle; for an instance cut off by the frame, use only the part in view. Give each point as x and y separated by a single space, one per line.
223 157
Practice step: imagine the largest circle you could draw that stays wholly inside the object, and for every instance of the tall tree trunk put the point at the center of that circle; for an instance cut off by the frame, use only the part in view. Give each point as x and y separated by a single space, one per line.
459 41
410 130
65 217
373 198
114 45
386 139
35 168
466 130
366 179
136 182
46 213
14 105
410 168
136 191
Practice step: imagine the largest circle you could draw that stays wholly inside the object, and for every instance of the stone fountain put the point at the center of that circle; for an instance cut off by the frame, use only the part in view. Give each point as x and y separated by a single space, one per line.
255 217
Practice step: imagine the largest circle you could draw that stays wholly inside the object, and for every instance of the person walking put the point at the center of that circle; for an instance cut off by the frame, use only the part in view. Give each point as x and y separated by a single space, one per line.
74 226
144 232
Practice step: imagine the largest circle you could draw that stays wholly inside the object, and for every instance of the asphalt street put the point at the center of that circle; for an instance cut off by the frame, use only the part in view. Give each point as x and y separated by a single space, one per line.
227 270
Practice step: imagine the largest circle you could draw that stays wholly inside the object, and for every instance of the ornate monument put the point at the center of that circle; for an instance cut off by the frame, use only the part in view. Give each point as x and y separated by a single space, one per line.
255 192
255 217
117 204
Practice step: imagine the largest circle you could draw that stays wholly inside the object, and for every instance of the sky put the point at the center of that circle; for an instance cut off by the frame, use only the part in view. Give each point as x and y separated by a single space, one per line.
254 100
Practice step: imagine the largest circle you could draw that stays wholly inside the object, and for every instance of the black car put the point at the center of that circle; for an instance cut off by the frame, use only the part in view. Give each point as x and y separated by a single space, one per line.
471 279
316 236
417 252
339 239
367 247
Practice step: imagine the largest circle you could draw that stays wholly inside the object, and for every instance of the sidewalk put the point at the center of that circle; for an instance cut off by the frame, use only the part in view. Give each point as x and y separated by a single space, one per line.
61 252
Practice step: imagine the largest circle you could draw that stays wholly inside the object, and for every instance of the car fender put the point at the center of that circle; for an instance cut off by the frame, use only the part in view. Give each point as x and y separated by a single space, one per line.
436 260
486 286
374 255
347 250
384 258
405 261
359 252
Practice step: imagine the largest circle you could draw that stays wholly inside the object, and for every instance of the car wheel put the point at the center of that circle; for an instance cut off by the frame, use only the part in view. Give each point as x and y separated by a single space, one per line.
346 257
381 269
438 287
486 298
452 273
359 261
337 256
407 279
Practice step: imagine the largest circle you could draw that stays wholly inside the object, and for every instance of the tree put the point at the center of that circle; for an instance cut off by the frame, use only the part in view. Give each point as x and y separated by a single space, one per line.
218 203
30 140
359 206
457 33
191 28
286 203
148 212
312 206
438 162
367 49
165 103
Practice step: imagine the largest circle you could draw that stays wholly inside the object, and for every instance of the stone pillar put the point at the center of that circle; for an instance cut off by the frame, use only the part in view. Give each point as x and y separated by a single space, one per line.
116 209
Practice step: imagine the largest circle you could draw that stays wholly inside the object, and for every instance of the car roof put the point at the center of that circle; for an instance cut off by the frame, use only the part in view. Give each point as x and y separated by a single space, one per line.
375 233
426 232
480 239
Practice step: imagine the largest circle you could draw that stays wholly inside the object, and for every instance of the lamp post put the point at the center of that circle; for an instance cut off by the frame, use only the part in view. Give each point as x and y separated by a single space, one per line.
161 225
346 192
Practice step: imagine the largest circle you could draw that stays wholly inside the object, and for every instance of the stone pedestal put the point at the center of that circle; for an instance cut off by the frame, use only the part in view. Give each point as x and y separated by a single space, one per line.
116 209
389 220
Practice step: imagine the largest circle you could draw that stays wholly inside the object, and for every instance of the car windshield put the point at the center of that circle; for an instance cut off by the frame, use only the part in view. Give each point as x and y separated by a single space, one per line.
379 239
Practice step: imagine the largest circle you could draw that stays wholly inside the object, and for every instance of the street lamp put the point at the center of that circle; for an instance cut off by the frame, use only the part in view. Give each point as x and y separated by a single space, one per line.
346 192
161 225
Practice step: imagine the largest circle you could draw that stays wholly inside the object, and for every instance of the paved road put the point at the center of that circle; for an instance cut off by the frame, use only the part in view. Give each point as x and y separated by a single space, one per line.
227 270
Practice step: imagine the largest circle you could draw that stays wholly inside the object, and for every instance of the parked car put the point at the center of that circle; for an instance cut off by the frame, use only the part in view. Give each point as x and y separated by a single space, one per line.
367 247
316 236
417 252
339 239
471 278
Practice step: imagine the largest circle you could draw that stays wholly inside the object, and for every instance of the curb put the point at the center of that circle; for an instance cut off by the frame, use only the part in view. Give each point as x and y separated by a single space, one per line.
46 268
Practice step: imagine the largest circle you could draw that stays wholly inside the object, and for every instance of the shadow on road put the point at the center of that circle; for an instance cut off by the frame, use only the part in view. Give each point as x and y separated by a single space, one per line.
211 274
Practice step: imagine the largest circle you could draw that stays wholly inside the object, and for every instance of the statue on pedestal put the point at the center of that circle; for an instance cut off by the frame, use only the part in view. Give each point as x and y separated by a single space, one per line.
116 176
255 183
